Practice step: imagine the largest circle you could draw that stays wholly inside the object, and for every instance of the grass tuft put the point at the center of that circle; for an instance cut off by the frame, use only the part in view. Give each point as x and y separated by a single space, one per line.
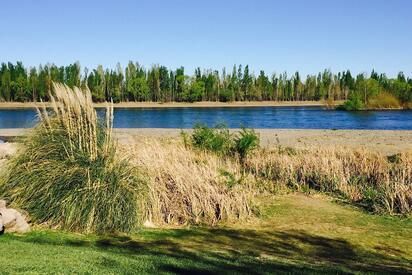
67 173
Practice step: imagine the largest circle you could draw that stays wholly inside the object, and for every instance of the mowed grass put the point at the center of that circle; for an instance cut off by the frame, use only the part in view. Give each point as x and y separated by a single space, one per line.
296 233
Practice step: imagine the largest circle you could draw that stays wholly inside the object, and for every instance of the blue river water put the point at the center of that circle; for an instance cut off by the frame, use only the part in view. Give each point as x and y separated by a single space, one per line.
235 117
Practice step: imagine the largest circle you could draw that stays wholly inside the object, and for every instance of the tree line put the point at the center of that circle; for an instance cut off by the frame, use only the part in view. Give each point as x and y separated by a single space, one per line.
160 84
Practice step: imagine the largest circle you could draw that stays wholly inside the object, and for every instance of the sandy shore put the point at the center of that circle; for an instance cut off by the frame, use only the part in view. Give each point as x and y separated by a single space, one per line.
386 141
205 104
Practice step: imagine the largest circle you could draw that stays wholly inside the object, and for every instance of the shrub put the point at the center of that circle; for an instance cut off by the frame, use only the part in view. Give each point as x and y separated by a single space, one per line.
354 103
407 105
246 141
217 139
221 141
68 174
226 96
384 101
329 103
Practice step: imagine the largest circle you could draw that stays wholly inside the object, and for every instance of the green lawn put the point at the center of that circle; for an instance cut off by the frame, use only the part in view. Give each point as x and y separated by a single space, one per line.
296 234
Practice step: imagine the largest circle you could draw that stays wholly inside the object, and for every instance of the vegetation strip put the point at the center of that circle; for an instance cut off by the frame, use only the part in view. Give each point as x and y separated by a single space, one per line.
160 84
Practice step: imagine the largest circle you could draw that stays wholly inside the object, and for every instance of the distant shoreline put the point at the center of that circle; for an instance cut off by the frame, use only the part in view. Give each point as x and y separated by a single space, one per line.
201 104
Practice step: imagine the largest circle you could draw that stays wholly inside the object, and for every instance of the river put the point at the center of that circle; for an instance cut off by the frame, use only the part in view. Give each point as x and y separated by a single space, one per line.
235 117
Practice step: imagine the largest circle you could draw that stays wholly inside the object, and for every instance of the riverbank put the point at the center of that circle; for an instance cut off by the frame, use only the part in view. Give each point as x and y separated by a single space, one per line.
209 104
384 141
202 104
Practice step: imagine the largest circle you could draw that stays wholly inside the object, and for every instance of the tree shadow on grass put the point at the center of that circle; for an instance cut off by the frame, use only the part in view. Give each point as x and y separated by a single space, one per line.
223 251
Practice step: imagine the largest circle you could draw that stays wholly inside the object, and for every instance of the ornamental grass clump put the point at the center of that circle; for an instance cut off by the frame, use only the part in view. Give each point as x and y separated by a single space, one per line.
67 173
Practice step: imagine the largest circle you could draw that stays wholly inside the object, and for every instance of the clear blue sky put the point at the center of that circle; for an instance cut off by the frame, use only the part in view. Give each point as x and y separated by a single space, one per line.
305 35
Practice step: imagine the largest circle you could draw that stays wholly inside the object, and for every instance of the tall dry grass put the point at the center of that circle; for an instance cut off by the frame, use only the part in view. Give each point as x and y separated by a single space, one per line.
73 111
68 173
188 186
369 179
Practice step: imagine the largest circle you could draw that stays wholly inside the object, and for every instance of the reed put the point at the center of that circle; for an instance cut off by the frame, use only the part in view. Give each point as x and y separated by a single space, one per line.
372 180
189 186
67 173
194 186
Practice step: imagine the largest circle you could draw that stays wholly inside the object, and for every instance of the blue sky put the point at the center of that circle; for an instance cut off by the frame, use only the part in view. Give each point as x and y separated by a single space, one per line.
304 35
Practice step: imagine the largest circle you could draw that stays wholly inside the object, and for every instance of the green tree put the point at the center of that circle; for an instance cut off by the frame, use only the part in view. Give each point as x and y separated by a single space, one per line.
6 83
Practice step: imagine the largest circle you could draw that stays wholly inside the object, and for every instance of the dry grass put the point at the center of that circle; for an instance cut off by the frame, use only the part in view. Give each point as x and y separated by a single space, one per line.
190 187
384 101
407 105
73 109
363 177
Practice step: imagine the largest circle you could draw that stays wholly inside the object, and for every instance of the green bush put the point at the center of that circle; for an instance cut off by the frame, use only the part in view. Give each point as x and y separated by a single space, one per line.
217 139
246 141
354 103
221 141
